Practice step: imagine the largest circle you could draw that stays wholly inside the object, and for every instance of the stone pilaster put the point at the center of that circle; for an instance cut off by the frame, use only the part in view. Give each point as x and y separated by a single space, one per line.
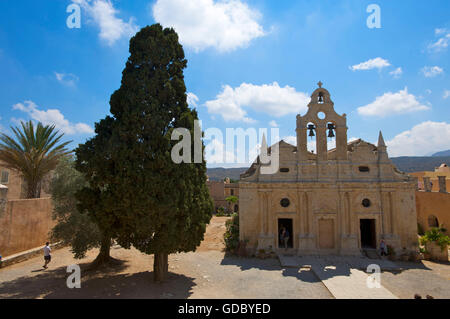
442 185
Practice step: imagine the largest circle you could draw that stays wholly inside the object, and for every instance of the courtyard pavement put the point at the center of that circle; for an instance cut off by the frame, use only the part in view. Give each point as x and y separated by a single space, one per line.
210 273
344 277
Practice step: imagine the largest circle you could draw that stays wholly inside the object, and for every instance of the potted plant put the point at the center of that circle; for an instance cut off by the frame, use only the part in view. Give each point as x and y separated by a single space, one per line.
391 252
436 243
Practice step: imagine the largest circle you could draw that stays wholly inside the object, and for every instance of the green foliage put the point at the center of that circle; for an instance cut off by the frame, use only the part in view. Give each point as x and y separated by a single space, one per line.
98 198
72 228
436 235
221 212
232 199
231 235
390 250
34 152
162 207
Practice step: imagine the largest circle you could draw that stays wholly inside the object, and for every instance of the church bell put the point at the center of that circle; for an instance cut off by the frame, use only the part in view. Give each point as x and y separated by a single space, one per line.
311 130
331 127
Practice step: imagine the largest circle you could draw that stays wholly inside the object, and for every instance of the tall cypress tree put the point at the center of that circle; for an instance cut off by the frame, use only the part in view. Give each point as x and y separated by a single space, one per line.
164 206
97 199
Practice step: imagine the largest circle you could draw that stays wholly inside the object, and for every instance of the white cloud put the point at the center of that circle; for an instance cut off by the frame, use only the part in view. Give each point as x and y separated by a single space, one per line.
423 139
396 73
200 24
215 153
105 16
393 103
440 44
192 99
273 123
431 71
68 79
53 117
446 94
269 98
377 63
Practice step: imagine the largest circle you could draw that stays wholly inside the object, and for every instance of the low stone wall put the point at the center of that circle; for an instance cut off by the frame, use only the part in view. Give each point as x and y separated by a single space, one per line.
25 224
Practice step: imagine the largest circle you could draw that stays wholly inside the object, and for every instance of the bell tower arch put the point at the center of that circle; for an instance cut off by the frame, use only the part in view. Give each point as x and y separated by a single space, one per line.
325 122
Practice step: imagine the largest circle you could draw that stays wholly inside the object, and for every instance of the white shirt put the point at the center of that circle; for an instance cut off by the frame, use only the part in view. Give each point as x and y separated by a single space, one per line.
47 251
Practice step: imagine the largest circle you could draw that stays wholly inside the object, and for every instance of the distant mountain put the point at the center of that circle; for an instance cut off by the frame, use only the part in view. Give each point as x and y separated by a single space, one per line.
417 164
220 173
405 164
443 153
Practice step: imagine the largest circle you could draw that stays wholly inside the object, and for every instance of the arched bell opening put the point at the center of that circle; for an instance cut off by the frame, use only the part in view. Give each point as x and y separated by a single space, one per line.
331 135
311 129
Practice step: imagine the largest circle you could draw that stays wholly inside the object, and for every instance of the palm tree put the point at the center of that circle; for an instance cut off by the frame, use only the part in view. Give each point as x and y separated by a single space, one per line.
34 153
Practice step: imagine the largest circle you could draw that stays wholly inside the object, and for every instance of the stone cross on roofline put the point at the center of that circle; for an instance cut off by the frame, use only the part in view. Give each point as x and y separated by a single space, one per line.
320 84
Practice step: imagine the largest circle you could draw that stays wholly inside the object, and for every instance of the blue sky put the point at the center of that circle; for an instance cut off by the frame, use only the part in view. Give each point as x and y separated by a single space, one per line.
250 64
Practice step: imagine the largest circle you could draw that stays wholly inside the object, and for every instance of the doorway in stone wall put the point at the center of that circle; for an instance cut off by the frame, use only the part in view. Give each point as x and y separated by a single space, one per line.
326 233
368 233
286 223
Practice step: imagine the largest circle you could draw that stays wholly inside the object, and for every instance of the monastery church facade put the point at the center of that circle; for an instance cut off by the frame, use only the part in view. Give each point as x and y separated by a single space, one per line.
336 201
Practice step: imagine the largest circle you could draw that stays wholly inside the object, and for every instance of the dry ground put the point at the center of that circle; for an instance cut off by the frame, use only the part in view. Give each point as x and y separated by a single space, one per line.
206 273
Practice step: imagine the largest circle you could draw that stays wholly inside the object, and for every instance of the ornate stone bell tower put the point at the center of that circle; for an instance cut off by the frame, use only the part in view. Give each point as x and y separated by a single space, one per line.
320 118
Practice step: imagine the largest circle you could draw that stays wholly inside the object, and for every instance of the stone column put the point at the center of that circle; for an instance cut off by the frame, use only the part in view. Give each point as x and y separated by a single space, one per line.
306 238
302 149
427 184
341 142
385 211
442 185
321 143
266 239
262 212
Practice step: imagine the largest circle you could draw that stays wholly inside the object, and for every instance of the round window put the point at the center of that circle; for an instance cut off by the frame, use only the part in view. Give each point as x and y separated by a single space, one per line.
321 115
366 202
285 202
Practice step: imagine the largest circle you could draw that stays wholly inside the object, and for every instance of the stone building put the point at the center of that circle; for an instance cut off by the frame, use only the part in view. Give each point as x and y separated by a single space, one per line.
433 199
335 201
220 190
436 180
13 187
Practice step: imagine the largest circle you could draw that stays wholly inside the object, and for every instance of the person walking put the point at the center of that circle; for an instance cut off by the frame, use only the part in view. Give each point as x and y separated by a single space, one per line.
47 255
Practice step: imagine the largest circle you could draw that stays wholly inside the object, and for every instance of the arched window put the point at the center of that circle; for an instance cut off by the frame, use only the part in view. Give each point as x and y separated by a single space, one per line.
433 221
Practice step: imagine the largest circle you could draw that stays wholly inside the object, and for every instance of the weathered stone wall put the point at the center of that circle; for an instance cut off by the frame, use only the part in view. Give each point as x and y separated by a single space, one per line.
433 203
25 224
16 187
393 210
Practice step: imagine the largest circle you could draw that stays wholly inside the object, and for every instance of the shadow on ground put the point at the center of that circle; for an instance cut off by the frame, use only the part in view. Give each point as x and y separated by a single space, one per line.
304 272
105 282
270 264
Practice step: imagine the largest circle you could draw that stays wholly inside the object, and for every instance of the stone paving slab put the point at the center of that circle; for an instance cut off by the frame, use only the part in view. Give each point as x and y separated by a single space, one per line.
355 262
342 275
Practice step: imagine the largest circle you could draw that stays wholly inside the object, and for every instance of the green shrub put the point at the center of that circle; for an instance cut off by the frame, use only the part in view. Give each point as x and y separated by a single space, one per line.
437 236
231 235
390 250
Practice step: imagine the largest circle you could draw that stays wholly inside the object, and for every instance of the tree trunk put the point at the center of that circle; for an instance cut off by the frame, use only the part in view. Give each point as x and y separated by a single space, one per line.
104 254
32 188
160 267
